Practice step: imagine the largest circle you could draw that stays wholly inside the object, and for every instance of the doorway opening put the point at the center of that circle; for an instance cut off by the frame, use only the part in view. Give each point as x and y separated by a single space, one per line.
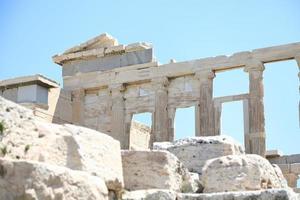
281 98
184 123
140 131
231 82
232 120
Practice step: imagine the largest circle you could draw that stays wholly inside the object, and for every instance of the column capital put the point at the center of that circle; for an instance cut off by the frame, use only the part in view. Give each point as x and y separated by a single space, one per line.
160 82
78 94
297 58
205 74
117 89
254 65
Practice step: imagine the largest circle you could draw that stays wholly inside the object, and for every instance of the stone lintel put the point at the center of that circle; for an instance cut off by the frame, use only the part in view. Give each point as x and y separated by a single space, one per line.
254 65
160 82
117 89
206 74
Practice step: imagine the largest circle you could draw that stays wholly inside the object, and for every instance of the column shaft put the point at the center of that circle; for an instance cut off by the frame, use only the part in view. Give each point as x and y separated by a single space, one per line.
298 62
256 137
217 118
161 120
119 130
78 107
205 110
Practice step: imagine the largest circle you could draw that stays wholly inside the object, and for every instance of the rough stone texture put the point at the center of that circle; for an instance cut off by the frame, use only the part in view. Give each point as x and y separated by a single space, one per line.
196 182
194 152
74 147
152 194
271 194
36 181
281 178
154 170
139 136
240 173
290 167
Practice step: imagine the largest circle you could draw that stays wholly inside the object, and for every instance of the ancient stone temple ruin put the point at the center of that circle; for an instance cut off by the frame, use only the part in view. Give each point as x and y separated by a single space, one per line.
105 83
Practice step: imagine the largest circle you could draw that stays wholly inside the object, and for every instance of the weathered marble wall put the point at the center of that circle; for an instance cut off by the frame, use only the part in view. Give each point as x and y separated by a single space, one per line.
108 95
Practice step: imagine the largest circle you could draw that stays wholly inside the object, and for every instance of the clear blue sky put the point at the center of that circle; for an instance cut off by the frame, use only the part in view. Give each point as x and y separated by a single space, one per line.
31 32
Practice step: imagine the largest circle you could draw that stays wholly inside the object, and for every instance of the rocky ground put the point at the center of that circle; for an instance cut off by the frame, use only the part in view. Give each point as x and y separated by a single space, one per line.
65 162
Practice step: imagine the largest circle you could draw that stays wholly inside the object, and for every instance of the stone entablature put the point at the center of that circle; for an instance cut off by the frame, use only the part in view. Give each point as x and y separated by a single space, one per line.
103 53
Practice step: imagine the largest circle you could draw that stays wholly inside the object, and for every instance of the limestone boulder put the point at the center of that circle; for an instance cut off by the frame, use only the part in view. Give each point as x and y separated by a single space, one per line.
78 148
152 194
154 170
240 173
269 194
195 151
20 179
196 182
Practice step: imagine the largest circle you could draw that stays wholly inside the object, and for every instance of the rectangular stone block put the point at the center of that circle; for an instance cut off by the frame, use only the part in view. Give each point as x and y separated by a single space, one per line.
154 170
194 152
108 62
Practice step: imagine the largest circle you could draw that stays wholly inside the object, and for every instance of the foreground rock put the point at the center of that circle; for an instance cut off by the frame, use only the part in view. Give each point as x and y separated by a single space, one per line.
155 170
271 194
194 152
70 146
152 194
240 173
36 181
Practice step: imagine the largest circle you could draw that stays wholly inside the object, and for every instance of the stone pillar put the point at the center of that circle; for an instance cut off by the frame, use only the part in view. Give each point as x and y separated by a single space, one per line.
128 120
205 111
246 124
161 120
197 120
119 131
291 179
171 132
298 62
256 137
217 117
78 106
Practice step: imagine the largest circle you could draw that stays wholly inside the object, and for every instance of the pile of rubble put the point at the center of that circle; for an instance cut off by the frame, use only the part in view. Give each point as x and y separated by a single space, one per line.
48 161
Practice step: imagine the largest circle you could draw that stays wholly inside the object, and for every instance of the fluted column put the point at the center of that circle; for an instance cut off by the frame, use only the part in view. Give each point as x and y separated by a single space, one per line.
78 107
298 62
171 132
217 118
255 139
205 110
118 115
161 119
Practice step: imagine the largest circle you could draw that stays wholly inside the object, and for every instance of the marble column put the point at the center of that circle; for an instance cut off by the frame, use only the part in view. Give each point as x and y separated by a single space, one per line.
246 124
297 58
118 122
171 131
205 111
161 119
127 124
291 179
255 139
217 117
78 106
